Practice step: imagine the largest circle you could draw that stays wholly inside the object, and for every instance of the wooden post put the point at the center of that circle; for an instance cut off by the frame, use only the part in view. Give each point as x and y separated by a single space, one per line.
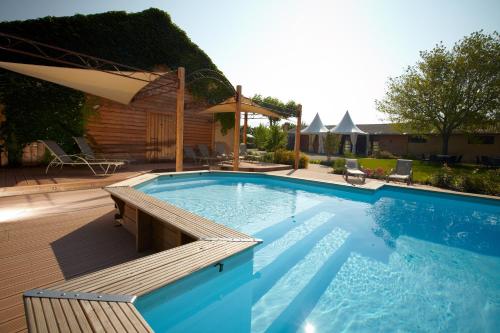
245 128
297 136
237 114
179 140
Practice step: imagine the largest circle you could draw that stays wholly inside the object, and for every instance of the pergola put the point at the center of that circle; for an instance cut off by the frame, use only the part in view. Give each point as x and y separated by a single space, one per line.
122 83
239 104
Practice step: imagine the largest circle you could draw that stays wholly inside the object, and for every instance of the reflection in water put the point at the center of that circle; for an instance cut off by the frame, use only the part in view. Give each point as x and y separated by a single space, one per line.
456 223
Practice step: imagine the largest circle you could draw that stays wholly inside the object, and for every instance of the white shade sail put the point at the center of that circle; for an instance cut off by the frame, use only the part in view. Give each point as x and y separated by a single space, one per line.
316 127
347 126
115 87
247 105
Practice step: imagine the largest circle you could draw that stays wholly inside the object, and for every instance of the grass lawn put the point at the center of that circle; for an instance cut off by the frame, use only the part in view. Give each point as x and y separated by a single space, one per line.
422 171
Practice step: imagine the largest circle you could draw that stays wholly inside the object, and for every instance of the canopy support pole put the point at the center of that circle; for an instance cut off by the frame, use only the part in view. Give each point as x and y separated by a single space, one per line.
297 136
237 115
179 140
245 128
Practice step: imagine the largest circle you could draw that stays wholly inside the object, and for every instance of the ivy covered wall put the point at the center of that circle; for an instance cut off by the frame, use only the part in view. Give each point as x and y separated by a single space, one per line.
149 40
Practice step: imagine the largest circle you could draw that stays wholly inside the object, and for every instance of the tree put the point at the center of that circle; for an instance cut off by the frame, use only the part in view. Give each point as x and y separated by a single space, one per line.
276 104
261 135
277 138
331 144
448 90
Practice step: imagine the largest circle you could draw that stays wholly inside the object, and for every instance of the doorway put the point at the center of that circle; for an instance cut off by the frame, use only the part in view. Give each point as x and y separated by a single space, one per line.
160 137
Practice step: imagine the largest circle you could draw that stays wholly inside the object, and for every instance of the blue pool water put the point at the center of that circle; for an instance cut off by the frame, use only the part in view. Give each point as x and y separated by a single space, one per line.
334 259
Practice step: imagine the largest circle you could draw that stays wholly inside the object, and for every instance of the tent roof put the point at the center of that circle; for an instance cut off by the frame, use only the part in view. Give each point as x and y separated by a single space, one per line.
247 105
315 127
347 126
119 87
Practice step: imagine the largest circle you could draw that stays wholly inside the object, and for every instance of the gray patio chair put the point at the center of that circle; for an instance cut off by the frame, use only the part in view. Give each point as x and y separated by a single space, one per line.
221 151
190 154
352 169
88 152
61 159
207 155
403 172
243 150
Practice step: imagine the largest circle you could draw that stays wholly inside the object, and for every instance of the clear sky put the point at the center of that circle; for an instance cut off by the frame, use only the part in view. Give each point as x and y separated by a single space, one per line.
331 56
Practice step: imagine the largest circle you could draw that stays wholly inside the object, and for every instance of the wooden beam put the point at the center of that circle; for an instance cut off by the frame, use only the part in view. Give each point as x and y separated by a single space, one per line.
237 115
297 136
179 140
245 128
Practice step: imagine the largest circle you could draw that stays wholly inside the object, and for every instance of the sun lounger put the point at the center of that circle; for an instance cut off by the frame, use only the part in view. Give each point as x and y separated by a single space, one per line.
352 169
403 172
207 155
61 159
88 152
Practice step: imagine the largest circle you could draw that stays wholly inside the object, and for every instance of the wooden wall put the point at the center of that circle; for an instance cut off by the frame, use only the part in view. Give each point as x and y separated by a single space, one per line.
118 129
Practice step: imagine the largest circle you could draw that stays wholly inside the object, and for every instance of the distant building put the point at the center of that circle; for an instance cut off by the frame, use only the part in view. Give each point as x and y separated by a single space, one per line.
385 137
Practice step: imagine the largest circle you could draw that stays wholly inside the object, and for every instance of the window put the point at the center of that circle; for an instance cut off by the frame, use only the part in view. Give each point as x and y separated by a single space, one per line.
481 140
416 139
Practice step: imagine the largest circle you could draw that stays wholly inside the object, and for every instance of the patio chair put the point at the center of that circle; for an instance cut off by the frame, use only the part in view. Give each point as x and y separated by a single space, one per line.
352 169
190 154
243 150
207 155
221 151
61 159
403 172
88 152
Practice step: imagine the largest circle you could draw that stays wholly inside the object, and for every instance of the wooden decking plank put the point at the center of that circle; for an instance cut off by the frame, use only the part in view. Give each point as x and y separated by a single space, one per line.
40 320
131 268
135 318
92 317
80 315
104 320
112 316
30 315
178 217
59 313
169 273
50 317
127 324
70 316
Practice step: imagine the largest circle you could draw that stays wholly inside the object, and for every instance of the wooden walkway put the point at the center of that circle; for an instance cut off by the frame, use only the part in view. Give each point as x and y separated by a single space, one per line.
39 252
206 243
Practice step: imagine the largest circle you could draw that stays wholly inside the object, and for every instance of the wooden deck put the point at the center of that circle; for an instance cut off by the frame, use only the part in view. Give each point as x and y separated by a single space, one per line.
37 252
29 180
195 243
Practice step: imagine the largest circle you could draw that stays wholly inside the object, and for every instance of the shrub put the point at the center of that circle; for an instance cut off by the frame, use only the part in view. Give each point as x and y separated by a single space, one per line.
339 166
484 183
447 179
282 156
315 161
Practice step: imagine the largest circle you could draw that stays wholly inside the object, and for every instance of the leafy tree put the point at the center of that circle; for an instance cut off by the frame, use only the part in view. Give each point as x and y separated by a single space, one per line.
449 90
277 138
331 144
261 135
275 104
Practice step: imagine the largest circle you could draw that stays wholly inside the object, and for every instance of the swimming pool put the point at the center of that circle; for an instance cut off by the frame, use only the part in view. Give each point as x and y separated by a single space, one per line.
334 258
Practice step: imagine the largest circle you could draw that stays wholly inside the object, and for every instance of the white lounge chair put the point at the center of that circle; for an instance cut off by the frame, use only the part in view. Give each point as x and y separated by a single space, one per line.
61 159
403 172
88 152
352 169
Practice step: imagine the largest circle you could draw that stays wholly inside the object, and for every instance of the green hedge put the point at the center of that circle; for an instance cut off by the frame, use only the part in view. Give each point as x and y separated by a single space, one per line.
282 156
147 40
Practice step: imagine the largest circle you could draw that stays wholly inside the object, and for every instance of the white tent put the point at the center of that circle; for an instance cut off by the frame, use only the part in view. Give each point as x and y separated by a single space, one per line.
317 128
347 126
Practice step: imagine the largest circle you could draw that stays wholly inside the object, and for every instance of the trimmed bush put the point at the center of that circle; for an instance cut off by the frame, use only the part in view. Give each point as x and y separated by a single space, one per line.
339 166
282 156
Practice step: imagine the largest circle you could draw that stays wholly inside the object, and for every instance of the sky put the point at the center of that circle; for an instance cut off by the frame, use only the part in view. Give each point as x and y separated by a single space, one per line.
330 56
